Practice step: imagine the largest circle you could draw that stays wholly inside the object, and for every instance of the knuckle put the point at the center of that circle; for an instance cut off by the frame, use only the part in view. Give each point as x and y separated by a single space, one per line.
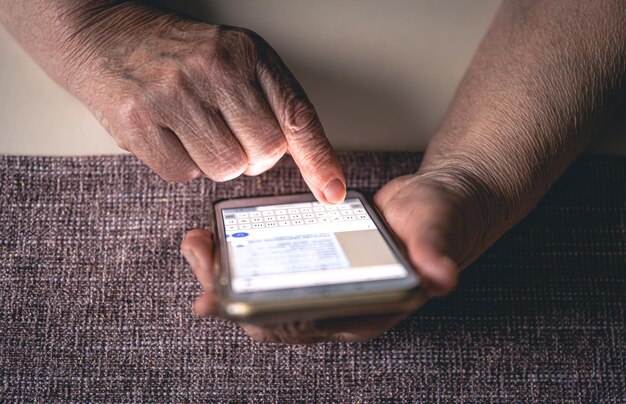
228 170
175 77
241 37
131 111
170 166
236 53
172 84
300 116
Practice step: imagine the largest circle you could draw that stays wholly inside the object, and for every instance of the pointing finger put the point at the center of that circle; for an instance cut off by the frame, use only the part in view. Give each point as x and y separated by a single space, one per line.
306 140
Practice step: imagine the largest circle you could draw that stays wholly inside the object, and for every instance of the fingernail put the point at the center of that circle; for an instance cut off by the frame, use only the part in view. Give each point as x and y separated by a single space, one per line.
190 257
335 191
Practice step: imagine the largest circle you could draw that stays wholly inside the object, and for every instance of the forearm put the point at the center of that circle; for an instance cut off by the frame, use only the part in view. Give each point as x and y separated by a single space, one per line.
67 38
544 80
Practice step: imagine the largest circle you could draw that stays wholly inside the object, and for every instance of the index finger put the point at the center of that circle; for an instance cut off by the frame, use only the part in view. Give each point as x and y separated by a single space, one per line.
306 141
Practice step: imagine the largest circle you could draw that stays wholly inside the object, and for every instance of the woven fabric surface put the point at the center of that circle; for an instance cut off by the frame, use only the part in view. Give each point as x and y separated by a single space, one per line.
95 297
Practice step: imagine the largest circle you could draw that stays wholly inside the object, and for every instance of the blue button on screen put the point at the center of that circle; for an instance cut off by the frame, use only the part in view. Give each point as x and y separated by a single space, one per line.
242 234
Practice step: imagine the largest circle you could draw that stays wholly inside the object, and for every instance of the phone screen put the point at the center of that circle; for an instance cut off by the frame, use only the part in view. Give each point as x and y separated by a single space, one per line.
306 244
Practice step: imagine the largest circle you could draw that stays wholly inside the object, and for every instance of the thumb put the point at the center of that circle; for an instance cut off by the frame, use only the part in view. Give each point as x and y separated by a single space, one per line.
432 227
438 270
303 131
315 157
430 247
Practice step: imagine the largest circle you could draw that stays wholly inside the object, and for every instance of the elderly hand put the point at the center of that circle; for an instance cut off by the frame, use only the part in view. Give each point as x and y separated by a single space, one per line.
435 221
189 98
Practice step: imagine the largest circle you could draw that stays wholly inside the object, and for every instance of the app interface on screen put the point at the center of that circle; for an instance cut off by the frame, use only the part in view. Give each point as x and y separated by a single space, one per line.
305 244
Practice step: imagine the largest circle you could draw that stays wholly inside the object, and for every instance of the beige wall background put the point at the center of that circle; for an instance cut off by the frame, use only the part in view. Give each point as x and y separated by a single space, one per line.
380 73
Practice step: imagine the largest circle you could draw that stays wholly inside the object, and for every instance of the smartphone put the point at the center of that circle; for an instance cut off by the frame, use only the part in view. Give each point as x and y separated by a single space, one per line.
285 258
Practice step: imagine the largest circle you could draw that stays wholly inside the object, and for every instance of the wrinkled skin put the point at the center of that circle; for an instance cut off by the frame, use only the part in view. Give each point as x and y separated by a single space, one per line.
191 99
433 221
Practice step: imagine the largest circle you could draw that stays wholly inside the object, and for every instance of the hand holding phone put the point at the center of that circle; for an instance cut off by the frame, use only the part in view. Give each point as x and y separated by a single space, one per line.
291 258
198 247
422 217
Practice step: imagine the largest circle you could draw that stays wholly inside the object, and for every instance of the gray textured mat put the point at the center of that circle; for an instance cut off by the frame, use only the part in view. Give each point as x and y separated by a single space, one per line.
95 297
